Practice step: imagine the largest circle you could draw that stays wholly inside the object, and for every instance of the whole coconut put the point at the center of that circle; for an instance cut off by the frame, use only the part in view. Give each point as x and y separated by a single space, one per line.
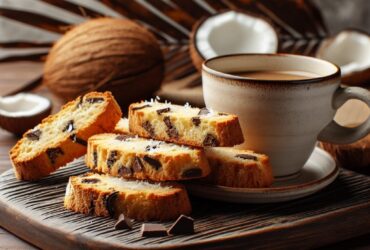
118 55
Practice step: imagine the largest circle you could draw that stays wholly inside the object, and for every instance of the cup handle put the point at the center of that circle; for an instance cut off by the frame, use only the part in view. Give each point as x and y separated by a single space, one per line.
335 133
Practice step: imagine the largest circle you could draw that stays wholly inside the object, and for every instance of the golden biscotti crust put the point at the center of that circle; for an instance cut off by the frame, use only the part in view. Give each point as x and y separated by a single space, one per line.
241 174
227 132
142 206
39 165
107 154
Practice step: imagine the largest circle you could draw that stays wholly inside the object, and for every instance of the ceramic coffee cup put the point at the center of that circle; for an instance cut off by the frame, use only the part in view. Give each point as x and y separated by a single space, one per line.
282 118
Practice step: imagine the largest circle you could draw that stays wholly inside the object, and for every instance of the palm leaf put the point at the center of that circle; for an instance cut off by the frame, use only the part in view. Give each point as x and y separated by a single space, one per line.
299 23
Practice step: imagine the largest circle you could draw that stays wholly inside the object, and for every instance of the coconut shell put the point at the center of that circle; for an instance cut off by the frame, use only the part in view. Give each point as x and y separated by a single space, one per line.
20 124
195 55
355 156
118 55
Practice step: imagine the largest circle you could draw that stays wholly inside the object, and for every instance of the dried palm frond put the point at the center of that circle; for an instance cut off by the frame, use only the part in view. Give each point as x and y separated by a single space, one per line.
299 23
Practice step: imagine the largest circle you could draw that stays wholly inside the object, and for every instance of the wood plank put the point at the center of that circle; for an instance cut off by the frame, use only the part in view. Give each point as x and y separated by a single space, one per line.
34 211
9 241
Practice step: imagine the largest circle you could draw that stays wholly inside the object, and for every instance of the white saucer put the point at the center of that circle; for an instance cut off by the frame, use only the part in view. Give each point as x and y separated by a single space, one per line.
319 171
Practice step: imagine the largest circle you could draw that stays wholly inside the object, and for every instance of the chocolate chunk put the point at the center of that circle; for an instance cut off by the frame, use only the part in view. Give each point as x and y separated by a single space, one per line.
171 130
164 110
112 158
80 101
123 137
151 147
183 225
153 162
192 173
34 135
247 157
138 165
195 121
203 111
148 127
69 127
125 171
141 107
109 201
153 230
90 181
78 140
95 100
210 140
53 153
92 205
95 159
167 121
123 222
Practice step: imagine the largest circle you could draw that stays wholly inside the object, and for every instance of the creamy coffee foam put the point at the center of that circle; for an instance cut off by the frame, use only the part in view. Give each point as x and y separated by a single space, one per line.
276 75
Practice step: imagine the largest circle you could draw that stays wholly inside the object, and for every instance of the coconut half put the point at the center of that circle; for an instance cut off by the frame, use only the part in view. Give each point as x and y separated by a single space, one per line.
229 33
23 111
350 50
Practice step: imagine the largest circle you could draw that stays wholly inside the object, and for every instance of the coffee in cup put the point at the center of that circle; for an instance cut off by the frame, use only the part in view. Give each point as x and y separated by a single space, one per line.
285 103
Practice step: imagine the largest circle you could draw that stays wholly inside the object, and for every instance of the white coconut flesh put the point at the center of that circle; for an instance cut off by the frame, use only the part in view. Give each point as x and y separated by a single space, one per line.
350 50
235 32
22 105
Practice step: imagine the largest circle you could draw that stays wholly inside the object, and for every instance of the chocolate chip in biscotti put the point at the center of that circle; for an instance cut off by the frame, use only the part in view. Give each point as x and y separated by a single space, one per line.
78 140
164 110
95 159
153 230
95 100
69 127
153 162
92 205
125 171
195 121
123 137
203 111
148 127
112 158
192 173
210 141
123 222
34 135
138 165
141 107
90 180
152 147
80 101
183 225
109 201
171 129
53 153
247 157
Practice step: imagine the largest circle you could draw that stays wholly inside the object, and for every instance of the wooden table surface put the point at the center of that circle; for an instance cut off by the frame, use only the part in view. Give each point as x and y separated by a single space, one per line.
15 75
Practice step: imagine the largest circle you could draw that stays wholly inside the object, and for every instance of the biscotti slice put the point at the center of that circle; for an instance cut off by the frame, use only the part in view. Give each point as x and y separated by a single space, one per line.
184 124
104 195
133 157
62 137
238 168
122 127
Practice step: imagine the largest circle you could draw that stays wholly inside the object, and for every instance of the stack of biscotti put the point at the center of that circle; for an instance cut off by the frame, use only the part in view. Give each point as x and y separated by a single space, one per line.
137 161
214 131
164 143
